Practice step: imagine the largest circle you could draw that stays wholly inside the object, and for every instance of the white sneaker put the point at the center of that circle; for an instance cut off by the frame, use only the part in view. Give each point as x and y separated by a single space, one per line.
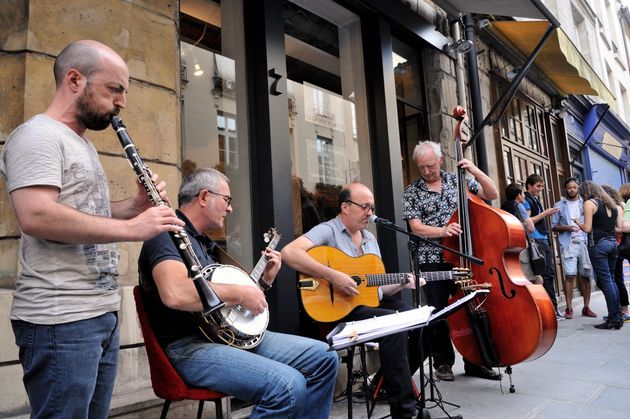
559 315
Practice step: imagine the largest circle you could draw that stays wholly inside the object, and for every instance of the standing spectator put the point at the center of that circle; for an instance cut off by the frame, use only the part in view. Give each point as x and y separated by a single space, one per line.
514 205
535 185
618 273
601 220
625 195
573 247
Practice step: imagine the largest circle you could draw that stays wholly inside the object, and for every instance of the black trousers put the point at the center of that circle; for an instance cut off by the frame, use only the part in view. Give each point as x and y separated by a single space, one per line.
621 287
398 356
437 295
550 273
438 339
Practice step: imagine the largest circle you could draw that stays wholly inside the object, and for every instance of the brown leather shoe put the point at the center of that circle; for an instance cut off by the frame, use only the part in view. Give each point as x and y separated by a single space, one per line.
444 372
587 312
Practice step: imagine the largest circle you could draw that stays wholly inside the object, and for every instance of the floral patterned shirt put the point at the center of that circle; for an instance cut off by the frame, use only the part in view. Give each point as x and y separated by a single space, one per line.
433 209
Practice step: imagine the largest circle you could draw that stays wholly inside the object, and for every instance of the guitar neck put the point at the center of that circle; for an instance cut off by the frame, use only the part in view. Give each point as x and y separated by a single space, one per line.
377 280
262 262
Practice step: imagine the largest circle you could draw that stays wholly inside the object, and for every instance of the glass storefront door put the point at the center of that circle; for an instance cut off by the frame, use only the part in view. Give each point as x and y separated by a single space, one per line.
327 113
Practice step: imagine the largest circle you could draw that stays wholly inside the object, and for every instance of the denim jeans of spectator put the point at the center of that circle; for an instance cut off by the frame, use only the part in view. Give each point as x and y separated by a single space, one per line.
603 257
69 368
294 377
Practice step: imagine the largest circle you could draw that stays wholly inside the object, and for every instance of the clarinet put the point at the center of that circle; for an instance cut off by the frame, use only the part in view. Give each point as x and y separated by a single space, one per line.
209 299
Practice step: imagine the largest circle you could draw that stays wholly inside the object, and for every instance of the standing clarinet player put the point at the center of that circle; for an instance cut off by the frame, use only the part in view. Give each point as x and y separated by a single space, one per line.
65 307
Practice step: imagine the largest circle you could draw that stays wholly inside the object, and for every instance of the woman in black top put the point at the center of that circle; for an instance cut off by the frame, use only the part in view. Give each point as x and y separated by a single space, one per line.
601 220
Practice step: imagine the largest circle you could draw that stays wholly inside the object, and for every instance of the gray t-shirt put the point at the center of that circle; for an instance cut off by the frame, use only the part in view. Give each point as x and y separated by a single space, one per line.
60 283
334 234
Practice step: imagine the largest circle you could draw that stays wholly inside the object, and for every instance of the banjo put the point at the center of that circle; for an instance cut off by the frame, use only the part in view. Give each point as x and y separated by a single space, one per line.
235 325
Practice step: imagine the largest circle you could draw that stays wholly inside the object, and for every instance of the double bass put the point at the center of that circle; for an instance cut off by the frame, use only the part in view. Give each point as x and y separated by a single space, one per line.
516 321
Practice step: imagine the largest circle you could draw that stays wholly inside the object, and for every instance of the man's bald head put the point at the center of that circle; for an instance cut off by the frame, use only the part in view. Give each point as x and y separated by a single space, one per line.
85 56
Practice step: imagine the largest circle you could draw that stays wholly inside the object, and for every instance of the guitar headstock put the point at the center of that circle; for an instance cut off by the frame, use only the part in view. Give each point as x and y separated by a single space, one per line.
461 128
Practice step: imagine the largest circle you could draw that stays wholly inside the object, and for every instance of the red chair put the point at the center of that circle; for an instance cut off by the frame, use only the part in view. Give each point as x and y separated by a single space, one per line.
167 383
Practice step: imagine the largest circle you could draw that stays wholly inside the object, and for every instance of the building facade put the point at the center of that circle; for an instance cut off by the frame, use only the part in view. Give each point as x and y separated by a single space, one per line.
291 100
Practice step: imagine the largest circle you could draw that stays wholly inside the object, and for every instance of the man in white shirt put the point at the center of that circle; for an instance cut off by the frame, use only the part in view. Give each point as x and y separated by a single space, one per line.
573 247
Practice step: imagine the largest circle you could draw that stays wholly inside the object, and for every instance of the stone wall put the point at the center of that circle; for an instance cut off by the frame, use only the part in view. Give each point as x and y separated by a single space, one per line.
144 33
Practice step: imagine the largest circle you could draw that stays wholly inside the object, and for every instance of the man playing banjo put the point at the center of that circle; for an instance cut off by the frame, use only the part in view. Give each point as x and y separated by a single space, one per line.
284 375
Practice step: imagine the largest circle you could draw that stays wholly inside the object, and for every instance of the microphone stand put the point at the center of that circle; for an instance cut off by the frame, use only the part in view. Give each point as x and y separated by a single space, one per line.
414 239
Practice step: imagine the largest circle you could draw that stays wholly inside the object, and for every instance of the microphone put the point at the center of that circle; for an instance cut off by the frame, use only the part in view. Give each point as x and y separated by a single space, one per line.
377 220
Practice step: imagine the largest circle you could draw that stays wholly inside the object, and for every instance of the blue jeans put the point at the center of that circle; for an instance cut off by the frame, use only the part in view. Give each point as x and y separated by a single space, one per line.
603 258
286 376
69 368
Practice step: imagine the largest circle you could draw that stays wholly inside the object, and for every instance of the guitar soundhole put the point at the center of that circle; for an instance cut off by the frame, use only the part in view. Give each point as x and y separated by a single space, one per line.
357 280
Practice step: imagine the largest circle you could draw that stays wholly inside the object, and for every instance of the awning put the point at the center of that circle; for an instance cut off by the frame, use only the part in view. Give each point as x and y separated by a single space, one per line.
533 9
559 59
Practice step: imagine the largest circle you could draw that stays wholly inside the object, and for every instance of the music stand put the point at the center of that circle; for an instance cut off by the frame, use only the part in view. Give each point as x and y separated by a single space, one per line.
424 412
375 332
412 245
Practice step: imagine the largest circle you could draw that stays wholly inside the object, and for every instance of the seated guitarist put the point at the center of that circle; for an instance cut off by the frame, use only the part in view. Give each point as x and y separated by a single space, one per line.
347 233
286 376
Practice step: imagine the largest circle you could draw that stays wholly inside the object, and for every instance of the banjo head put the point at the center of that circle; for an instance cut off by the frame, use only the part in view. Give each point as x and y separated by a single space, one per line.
241 320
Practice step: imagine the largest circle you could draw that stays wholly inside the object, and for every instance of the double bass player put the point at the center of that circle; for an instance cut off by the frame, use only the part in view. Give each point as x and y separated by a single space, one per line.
428 204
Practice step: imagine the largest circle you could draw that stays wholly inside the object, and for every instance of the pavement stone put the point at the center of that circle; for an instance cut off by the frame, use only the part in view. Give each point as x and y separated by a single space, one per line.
585 375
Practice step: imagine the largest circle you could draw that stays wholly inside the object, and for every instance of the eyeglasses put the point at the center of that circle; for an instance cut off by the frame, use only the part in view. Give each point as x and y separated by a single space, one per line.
366 207
226 198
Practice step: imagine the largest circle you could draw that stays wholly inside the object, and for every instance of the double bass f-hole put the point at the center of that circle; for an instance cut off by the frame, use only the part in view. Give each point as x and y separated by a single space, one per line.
502 284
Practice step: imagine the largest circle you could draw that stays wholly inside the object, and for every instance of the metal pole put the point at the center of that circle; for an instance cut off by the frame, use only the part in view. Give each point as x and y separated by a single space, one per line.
475 94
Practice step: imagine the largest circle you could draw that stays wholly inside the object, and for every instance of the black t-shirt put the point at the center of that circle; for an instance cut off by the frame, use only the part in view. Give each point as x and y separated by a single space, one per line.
603 225
512 208
168 324
536 208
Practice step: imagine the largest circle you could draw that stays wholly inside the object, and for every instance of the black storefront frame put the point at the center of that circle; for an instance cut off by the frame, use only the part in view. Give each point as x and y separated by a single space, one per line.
269 133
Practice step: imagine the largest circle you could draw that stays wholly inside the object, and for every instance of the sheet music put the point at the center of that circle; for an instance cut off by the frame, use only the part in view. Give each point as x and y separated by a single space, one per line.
379 326
351 333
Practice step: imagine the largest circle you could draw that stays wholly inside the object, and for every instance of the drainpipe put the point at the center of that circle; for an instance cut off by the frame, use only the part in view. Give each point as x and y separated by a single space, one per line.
624 21
475 93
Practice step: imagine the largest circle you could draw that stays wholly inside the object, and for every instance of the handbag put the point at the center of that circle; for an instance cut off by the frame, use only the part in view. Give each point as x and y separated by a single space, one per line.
536 258
623 251
537 261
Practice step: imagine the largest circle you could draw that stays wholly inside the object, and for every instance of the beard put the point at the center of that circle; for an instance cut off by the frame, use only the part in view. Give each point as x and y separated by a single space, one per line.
90 117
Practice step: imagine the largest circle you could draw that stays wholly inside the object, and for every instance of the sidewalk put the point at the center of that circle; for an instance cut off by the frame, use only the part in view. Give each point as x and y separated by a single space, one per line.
585 375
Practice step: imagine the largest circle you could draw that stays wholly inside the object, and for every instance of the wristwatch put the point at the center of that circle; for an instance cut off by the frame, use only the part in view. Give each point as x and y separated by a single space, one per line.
264 285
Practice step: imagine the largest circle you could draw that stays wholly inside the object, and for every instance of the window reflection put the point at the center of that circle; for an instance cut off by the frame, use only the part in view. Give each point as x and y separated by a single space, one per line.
410 105
210 127
326 107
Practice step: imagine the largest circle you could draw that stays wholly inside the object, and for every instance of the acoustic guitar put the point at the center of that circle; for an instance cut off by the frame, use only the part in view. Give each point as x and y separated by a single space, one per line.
325 304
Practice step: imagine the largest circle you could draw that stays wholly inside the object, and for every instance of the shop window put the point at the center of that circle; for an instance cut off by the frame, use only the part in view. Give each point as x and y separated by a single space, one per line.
210 122
410 104
524 124
328 129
